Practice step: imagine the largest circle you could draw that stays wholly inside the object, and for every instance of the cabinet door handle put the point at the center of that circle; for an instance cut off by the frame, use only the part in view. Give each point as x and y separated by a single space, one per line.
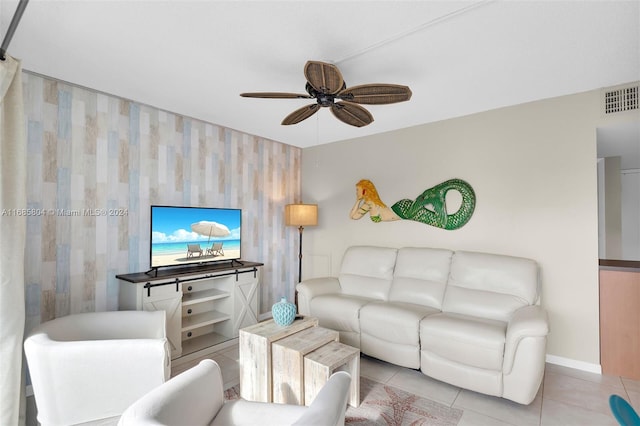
189 334
190 288
189 311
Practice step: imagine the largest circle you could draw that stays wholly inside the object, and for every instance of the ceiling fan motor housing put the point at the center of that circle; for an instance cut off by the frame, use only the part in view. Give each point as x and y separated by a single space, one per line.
323 99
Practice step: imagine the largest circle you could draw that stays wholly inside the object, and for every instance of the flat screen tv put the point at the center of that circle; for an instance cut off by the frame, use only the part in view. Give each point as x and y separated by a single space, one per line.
188 235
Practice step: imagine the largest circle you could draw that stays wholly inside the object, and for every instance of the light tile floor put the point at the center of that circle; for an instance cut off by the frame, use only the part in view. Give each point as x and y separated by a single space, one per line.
567 396
228 360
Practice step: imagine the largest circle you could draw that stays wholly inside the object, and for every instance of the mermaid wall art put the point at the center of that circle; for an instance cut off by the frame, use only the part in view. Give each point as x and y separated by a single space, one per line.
430 207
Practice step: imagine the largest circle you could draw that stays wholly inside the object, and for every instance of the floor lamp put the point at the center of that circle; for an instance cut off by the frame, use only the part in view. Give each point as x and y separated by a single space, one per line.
300 215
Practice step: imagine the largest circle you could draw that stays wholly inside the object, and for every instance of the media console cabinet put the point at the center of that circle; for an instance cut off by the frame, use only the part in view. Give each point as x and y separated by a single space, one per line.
206 305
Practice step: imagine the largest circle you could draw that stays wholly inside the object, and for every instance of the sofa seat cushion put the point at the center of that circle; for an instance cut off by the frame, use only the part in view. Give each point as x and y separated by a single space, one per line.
473 341
396 322
338 311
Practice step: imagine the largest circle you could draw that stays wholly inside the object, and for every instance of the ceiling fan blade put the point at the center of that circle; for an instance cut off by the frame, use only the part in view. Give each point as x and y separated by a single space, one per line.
276 95
375 94
301 114
323 77
352 114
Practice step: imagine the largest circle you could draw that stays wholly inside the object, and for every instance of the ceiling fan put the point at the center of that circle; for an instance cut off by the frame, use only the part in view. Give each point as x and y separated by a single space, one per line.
326 85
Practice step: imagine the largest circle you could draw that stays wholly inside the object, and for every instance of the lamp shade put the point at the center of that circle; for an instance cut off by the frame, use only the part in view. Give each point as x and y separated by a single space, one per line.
301 214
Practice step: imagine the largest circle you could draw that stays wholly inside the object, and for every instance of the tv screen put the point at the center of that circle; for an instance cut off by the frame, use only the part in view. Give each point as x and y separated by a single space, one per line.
184 235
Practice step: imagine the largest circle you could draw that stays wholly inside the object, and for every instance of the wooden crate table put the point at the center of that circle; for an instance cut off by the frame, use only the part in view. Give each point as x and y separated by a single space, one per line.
255 356
324 361
288 362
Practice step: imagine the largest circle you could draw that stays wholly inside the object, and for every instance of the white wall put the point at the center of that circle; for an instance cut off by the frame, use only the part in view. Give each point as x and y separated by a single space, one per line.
610 209
630 183
533 168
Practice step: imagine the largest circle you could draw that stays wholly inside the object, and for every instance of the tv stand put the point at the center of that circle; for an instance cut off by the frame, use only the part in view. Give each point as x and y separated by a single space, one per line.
153 272
205 304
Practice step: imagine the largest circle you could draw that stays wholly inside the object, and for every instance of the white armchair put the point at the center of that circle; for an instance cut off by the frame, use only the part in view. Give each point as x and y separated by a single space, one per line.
196 398
92 366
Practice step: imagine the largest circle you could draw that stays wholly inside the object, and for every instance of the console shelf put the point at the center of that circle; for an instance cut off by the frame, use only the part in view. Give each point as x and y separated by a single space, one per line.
205 305
202 342
200 320
203 296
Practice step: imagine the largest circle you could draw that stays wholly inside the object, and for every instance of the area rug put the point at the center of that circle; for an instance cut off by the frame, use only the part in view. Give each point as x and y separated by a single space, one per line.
382 404
386 405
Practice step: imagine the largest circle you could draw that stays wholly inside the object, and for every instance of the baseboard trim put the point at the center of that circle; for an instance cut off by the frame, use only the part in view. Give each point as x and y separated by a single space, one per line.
572 363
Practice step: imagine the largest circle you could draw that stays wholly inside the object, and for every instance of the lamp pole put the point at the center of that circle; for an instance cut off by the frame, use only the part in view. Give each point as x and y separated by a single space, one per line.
300 229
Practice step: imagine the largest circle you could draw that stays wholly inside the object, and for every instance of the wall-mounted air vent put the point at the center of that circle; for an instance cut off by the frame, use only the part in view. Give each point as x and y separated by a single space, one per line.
621 99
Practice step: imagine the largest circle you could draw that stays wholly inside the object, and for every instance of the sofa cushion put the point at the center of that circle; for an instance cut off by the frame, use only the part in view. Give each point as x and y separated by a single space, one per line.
465 376
395 322
338 311
367 271
490 285
473 341
390 331
420 276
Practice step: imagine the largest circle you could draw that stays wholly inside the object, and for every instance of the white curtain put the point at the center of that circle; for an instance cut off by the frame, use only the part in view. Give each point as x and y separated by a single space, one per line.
13 179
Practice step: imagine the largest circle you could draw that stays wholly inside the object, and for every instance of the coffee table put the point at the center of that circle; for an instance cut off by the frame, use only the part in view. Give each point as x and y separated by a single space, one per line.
288 362
320 364
255 356
291 364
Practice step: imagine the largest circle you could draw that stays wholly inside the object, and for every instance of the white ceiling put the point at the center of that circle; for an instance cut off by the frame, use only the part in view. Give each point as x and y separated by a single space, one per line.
458 57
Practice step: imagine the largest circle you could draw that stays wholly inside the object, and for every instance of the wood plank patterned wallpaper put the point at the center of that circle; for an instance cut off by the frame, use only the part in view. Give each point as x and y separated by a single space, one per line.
88 151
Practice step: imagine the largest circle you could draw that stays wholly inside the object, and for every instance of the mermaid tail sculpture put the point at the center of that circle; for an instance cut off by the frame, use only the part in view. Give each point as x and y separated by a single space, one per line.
436 197
368 201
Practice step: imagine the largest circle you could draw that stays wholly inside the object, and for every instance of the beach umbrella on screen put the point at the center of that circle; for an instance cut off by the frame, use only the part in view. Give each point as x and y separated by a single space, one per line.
210 229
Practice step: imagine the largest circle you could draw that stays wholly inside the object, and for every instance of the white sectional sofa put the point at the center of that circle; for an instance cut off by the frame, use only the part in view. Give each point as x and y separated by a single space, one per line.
466 318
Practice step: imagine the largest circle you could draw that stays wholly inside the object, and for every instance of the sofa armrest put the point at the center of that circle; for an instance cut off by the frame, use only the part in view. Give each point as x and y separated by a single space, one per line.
313 287
529 321
193 397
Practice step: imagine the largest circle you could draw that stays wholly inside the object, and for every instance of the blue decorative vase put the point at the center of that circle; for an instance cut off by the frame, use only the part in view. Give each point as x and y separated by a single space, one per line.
283 312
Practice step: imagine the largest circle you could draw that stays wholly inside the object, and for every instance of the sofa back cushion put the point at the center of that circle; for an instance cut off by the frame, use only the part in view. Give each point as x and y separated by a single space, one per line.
367 271
490 285
420 276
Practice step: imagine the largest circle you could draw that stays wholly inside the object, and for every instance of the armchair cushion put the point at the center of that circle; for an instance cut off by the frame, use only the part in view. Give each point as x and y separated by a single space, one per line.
195 398
327 409
92 366
249 413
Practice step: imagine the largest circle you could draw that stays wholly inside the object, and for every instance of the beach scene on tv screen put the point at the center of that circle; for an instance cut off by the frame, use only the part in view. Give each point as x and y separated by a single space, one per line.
182 235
